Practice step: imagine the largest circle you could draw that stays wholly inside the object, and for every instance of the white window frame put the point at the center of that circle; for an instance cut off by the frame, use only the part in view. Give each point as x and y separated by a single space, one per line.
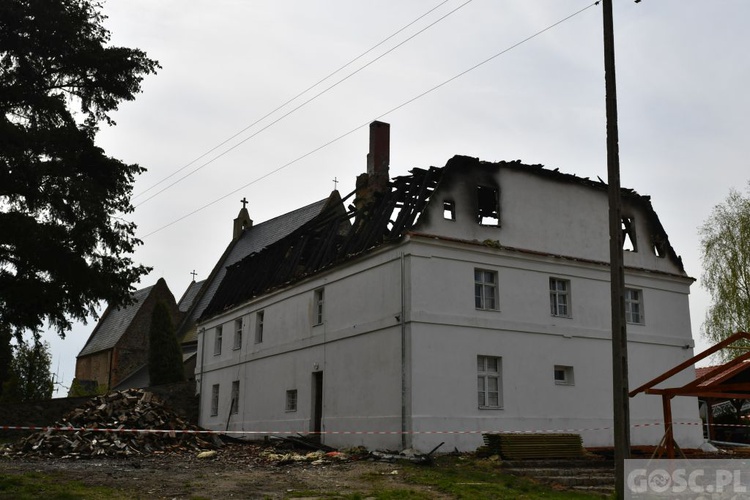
486 374
235 409
214 400
217 340
482 286
238 326
559 297
319 306
634 306
563 375
260 317
291 400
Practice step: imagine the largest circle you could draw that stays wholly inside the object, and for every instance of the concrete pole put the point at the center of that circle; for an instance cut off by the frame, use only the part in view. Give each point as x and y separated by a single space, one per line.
621 403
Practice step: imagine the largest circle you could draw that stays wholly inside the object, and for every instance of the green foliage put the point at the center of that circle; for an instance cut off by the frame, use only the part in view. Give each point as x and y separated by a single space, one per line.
33 485
63 243
6 356
84 388
164 353
725 245
30 378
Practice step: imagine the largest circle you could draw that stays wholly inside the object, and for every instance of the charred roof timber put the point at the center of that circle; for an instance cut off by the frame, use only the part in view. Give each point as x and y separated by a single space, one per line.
380 215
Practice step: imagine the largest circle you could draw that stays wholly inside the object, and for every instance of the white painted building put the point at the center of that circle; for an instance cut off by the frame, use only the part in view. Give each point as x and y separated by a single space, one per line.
456 300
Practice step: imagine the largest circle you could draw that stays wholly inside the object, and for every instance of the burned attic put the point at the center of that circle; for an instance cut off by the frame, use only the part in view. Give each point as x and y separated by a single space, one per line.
439 305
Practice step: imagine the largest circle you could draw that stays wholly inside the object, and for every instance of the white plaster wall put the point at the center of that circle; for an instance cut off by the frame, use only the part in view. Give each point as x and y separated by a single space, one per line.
540 214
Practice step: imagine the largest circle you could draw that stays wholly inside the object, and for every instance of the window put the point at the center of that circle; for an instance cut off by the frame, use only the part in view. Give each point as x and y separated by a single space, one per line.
237 334
563 375
449 210
488 206
217 341
489 382
259 317
559 297
318 306
629 243
485 289
215 400
291 400
633 306
235 397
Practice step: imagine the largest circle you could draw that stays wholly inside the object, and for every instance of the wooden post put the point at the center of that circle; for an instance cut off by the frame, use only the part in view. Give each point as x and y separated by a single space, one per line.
666 403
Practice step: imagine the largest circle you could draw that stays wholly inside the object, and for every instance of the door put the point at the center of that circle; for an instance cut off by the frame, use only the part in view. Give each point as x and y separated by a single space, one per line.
316 425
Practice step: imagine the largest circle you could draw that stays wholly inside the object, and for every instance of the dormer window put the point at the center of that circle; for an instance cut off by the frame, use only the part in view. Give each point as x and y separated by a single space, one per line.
629 243
488 206
449 210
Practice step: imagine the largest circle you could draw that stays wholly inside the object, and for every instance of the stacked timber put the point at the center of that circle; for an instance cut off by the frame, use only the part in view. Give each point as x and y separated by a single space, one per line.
122 423
517 446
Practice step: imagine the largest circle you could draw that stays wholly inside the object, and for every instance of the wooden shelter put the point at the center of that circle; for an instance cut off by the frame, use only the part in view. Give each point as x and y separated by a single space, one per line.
728 381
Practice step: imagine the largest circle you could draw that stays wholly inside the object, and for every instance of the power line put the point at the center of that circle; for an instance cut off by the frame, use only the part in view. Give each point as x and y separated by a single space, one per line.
346 134
292 100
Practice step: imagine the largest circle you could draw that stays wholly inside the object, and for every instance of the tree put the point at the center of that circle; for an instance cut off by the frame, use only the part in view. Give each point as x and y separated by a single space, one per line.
63 241
164 353
30 377
725 245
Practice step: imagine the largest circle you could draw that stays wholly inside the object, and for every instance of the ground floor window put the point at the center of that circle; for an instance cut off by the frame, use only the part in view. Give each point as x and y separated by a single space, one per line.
489 382
215 400
291 400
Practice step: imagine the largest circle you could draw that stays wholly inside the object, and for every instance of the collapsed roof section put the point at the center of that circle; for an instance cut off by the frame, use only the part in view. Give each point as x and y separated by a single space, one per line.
337 234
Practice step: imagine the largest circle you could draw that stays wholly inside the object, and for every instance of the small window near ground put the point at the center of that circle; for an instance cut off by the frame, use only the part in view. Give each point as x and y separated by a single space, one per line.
237 334
485 289
634 306
489 382
235 397
488 206
214 400
449 210
259 319
291 400
559 297
217 340
564 375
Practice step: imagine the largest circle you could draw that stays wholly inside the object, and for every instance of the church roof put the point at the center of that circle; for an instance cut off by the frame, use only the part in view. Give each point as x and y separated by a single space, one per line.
113 324
253 240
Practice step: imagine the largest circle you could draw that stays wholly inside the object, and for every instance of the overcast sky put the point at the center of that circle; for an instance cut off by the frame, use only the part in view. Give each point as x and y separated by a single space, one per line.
682 79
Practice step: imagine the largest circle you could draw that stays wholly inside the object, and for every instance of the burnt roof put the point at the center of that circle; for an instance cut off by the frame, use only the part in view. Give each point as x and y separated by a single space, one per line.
338 233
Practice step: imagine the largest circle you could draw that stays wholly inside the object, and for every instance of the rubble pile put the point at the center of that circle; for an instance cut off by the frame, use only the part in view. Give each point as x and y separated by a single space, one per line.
114 425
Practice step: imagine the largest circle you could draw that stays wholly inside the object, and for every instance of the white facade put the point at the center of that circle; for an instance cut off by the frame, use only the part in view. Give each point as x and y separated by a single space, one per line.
395 361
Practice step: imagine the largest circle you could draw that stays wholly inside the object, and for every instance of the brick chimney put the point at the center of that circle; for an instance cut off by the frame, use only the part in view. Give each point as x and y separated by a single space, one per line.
378 160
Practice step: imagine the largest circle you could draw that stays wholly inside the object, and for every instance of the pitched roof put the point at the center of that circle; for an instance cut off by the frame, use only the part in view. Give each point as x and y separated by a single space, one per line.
390 215
113 324
254 239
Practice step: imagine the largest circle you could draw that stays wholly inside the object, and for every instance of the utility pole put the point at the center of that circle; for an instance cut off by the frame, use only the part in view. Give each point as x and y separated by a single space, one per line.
620 401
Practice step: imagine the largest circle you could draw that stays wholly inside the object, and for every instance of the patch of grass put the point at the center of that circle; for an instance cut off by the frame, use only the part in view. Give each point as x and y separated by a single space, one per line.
480 479
33 485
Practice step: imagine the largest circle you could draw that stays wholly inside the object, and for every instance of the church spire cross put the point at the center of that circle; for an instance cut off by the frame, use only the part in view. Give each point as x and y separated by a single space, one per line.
244 202
335 183
194 274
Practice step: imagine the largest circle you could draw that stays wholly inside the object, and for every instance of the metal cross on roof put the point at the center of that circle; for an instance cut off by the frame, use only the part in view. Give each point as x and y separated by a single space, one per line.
244 202
194 274
335 183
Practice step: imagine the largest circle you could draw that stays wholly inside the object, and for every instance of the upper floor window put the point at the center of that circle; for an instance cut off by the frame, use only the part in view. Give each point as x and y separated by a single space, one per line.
217 340
318 304
237 334
563 375
629 242
485 289
633 306
259 319
559 297
489 382
488 206
449 210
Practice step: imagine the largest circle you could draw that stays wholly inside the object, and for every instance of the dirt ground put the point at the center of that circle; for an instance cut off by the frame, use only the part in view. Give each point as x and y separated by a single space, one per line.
238 470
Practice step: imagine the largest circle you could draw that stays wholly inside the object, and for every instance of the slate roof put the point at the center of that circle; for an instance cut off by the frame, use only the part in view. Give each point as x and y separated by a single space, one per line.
113 324
253 240
189 296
